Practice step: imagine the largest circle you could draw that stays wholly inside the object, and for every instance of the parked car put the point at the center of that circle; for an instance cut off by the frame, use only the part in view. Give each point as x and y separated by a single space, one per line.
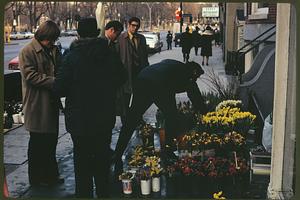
177 39
13 64
17 35
29 35
68 33
153 41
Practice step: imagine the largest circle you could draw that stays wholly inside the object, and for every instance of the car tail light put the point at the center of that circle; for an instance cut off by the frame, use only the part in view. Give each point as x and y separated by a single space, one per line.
13 66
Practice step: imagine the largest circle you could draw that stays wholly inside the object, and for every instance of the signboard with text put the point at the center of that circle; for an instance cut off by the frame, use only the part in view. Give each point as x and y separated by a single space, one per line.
210 12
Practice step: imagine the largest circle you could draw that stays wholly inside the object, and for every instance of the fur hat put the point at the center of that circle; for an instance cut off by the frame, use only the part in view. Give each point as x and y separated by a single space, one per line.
87 27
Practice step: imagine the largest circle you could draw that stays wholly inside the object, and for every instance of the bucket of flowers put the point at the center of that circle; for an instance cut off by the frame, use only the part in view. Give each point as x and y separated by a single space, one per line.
233 142
126 178
227 119
145 180
155 171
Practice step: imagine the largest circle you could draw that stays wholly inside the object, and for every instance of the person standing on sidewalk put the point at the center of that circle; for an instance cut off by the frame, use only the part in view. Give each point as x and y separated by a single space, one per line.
169 40
196 39
133 52
39 60
89 78
186 41
206 50
158 83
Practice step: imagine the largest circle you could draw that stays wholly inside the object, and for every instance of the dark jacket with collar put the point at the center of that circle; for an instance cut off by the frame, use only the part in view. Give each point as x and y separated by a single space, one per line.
39 105
89 78
126 50
171 77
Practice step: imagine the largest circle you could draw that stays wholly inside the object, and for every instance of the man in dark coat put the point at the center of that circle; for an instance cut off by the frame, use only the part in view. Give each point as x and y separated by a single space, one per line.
196 39
89 79
158 83
186 41
134 56
169 40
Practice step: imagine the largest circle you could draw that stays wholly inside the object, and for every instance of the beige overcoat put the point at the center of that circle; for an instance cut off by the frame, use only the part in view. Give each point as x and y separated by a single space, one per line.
40 107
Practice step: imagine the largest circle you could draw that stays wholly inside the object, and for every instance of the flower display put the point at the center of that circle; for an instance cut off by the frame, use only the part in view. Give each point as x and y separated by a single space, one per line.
144 173
229 103
227 119
147 134
195 141
154 163
218 195
233 140
213 167
147 130
126 176
136 159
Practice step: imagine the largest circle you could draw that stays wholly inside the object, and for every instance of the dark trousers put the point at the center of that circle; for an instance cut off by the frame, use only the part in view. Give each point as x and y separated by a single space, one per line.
186 54
126 101
169 45
196 50
142 100
92 156
42 164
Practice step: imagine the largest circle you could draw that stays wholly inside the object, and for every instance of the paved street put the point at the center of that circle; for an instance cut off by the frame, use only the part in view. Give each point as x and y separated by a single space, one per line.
12 49
15 142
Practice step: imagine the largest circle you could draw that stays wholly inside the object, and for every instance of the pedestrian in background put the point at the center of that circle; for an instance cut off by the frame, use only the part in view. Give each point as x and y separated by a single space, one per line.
217 37
206 50
186 41
39 60
159 83
169 40
89 78
132 48
196 39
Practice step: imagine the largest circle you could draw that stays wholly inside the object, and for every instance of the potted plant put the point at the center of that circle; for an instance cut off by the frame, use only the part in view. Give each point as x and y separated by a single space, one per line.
126 178
145 179
155 171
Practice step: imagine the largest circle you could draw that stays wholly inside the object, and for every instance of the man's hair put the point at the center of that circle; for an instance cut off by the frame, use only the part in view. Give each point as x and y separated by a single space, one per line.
48 30
118 26
87 27
195 66
134 19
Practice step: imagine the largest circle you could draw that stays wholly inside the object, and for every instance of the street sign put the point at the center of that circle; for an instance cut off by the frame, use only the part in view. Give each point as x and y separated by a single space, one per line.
210 12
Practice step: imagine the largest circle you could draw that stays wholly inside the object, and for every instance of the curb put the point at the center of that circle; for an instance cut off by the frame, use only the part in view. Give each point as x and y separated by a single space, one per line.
10 44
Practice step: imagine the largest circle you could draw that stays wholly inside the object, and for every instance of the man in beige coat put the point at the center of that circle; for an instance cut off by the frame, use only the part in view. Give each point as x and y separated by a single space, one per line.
38 62
134 56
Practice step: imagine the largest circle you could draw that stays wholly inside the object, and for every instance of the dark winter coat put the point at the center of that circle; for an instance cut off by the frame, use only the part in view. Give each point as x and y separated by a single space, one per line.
186 41
40 106
169 37
206 38
171 77
196 38
89 78
126 50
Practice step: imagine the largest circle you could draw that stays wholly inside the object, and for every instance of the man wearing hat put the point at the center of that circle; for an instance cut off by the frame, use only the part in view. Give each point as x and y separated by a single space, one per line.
89 78
158 83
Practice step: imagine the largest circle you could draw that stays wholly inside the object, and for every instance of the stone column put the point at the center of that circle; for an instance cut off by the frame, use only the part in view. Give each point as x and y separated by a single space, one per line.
284 110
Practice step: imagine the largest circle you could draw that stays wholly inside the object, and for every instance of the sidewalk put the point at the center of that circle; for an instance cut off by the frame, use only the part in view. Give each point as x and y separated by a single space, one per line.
15 142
